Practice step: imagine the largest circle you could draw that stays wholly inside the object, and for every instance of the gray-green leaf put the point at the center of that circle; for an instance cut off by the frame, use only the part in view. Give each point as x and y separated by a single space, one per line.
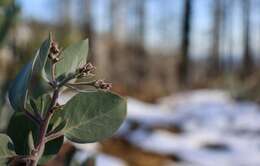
93 116
6 149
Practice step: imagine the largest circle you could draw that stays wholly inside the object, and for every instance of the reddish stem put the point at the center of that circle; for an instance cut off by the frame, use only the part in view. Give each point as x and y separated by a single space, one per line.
37 153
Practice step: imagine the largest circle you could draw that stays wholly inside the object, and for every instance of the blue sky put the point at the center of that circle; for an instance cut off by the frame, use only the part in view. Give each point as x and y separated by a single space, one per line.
36 9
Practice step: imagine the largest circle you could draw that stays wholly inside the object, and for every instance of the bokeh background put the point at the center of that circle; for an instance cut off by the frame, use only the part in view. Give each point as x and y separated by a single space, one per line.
190 70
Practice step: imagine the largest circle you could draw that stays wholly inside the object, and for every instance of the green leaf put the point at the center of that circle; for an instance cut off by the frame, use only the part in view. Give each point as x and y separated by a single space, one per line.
93 116
29 77
20 139
18 89
6 149
38 75
41 104
33 105
20 122
41 58
58 125
72 58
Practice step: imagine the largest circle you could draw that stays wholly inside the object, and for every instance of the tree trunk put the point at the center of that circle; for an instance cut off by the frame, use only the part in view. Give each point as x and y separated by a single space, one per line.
183 67
214 67
247 54
140 53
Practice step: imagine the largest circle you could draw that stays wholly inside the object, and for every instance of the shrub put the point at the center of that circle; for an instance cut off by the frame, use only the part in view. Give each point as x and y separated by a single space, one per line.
39 124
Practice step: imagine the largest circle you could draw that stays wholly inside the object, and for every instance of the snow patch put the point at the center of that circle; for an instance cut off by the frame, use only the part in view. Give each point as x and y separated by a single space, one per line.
216 129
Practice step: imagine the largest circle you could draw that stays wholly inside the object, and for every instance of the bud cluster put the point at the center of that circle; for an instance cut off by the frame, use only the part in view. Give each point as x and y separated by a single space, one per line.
87 69
101 84
54 52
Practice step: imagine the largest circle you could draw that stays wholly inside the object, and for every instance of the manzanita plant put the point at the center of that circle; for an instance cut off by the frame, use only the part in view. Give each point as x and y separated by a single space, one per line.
40 123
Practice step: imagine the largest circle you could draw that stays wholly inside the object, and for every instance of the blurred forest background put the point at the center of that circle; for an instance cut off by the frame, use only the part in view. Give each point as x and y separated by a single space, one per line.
147 48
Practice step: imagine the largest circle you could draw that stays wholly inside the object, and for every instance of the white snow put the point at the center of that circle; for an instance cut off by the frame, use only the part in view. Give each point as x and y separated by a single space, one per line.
207 117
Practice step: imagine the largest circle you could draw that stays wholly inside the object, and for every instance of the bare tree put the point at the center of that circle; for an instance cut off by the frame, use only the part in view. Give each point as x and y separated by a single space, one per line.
215 51
87 17
118 20
118 29
141 14
247 54
183 67
139 50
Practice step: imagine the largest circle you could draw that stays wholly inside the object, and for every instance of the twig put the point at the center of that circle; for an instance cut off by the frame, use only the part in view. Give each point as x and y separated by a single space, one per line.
82 83
53 136
43 129
67 79
53 67
77 89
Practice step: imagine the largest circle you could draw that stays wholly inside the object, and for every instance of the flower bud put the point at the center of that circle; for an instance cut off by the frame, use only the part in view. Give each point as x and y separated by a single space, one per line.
87 69
101 84
54 48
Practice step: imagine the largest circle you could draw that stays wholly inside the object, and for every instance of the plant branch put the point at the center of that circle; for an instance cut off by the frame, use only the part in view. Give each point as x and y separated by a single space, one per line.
43 129
37 153
53 67
82 83
56 85
77 89
53 136
70 77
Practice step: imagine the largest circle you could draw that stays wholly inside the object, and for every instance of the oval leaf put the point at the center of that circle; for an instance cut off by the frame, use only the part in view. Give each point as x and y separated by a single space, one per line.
6 149
93 116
